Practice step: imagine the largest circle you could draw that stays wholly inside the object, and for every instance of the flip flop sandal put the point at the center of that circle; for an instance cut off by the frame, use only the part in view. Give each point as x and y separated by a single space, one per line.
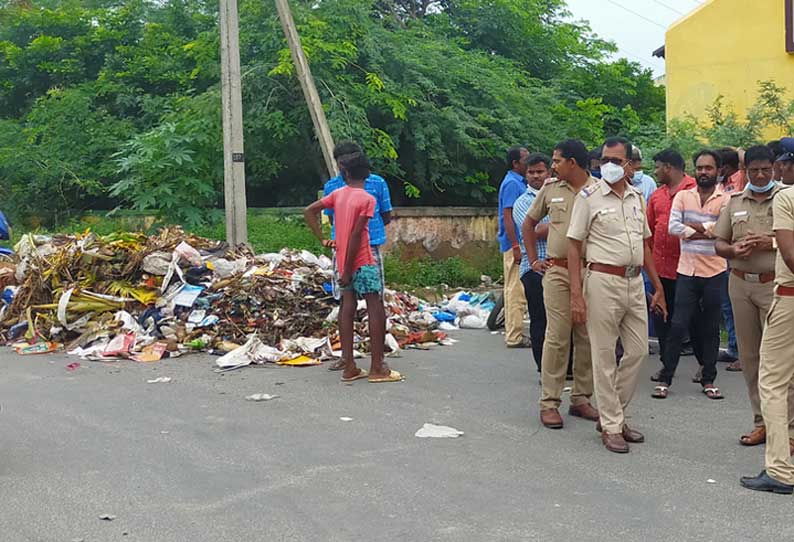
656 377
338 365
735 367
361 374
660 392
713 392
394 376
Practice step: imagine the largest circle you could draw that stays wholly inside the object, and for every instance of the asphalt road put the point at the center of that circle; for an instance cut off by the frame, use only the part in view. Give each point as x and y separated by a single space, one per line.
191 460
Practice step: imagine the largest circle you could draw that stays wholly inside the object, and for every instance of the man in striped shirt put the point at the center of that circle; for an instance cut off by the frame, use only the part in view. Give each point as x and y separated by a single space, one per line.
701 273
538 170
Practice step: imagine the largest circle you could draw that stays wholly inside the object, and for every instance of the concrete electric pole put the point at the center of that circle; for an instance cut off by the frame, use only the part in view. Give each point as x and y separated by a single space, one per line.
307 84
232 104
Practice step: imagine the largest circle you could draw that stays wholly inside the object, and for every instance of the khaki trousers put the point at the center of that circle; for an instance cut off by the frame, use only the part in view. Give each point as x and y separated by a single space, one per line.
514 299
775 380
557 346
615 309
751 302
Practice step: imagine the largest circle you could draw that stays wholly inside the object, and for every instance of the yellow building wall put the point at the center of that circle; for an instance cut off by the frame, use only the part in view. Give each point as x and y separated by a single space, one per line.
724 48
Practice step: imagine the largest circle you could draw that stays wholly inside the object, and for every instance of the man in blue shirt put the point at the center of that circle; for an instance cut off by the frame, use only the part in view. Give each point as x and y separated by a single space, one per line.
538 170
641 181
513 186
375 186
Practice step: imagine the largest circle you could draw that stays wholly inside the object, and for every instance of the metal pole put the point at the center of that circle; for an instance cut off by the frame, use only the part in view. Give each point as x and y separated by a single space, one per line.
304 73
232 104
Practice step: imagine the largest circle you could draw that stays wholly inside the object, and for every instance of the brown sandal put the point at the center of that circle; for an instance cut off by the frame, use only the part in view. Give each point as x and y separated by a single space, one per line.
755 437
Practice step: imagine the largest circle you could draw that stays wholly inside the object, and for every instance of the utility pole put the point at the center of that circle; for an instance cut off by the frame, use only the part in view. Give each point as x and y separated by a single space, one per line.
304 73
232 104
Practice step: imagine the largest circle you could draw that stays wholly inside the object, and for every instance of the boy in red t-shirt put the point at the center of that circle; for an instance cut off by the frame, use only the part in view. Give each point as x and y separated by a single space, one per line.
359 276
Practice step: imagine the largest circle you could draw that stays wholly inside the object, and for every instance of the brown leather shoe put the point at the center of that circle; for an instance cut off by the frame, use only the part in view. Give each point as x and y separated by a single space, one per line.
615 443
755 437
551 418
630 435
585 410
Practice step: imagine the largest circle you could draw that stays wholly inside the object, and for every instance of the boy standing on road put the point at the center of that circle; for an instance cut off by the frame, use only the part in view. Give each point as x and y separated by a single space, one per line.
359 275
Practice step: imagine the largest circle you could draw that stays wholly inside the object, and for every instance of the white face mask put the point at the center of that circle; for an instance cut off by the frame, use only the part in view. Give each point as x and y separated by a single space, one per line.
612 173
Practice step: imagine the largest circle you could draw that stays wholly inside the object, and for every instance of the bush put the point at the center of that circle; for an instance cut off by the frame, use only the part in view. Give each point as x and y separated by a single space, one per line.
427 273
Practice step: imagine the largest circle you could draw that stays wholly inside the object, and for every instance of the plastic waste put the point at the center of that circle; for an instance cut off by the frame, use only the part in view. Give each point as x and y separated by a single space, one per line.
430 430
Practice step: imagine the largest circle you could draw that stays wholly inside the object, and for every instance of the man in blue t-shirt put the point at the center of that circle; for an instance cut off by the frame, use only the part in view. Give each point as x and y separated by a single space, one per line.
513 186
375 186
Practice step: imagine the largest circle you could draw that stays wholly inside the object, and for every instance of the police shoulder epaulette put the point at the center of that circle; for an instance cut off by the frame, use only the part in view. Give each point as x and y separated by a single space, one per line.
551 180
736 194
588 191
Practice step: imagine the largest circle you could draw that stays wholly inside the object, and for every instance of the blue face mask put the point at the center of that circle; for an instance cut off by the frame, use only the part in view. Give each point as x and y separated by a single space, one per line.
761 189
637 176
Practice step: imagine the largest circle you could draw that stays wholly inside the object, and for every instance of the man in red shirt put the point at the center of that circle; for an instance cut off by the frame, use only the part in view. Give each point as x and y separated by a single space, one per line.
669 171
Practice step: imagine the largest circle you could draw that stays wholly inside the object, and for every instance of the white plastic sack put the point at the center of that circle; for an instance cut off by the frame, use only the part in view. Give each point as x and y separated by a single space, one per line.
473 321
190 254
253 351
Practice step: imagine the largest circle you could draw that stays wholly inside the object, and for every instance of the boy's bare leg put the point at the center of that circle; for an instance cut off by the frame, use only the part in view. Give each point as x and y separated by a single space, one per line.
377 335
346 316
339 364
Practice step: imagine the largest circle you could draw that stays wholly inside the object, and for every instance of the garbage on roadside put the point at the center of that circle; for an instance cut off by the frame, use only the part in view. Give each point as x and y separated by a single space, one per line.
430 430
464 310
144 298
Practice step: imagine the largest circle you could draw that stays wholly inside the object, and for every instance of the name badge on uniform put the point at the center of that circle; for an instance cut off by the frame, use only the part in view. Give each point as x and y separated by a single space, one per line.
606 211
740 213
557 200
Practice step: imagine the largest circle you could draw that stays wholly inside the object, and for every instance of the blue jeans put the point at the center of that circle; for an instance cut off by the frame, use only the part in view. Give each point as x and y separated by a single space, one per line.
727 316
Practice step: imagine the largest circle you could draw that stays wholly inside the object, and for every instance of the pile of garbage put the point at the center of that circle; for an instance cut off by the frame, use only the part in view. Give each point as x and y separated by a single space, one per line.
132 296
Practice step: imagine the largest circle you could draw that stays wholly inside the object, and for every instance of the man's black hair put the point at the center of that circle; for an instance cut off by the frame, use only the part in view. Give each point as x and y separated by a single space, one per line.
514 154
776 147
573 148
346 147
671 157
708 152
356 165
758 153
595 154
538 158
615 141
729 157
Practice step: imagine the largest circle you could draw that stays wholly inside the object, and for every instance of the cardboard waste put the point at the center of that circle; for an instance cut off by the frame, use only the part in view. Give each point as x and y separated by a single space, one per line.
133 296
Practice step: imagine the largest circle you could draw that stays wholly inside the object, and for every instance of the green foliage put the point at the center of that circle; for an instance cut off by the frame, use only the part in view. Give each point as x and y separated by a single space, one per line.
268 233
429 273
174 167
106 103
721 127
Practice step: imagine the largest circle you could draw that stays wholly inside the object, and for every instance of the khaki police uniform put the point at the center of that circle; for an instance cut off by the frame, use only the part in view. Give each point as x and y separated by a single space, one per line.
614 230
556 199
750 284
776 370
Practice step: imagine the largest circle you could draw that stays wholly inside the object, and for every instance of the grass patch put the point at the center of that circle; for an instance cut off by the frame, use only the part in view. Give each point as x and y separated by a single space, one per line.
427 273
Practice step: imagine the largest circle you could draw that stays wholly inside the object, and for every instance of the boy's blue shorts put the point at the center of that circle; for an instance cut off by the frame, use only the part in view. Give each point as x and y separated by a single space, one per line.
366 280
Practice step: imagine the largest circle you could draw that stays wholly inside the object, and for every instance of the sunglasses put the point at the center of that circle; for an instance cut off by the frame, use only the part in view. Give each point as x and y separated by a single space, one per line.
616 161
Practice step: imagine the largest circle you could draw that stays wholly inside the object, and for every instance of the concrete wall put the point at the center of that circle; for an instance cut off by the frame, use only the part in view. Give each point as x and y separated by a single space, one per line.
444 232
724 48
415 233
